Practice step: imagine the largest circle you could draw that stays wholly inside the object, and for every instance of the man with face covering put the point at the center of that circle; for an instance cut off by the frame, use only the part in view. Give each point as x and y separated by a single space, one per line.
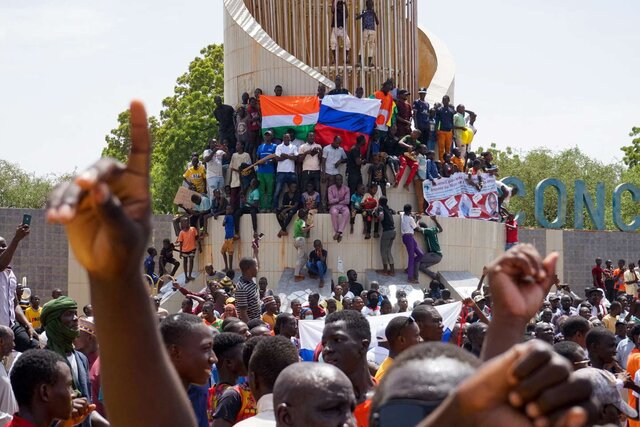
59 318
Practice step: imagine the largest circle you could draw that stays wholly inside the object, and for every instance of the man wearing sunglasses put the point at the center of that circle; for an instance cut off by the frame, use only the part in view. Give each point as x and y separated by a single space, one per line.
402 333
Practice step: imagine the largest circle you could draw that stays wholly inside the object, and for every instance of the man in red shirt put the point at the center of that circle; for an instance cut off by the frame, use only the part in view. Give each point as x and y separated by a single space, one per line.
41 381
597 274
512 232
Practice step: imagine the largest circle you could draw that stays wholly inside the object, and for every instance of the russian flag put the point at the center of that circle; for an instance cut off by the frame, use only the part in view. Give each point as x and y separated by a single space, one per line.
346 116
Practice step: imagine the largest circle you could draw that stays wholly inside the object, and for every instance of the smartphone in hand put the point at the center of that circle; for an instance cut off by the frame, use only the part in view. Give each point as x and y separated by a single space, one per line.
26 219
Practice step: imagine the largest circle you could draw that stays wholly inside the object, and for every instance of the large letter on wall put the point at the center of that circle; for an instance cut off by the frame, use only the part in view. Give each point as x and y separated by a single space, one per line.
582 199
512 181
561 213
617 207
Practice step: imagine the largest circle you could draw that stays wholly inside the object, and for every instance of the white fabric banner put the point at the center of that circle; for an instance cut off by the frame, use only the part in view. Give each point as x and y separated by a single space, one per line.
311 330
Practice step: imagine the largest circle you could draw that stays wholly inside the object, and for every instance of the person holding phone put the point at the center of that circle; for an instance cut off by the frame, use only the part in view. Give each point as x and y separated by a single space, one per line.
11 314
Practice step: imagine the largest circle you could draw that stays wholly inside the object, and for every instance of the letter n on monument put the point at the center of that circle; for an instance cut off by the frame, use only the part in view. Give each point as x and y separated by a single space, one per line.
582 199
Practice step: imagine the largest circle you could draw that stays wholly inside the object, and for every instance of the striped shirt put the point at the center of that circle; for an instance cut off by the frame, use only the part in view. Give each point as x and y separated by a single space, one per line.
247 296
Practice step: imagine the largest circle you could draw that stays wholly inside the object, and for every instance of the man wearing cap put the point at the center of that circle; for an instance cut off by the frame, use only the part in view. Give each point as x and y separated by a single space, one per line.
266 171
607 397
270 311
60 321
403 119
87 343
421 115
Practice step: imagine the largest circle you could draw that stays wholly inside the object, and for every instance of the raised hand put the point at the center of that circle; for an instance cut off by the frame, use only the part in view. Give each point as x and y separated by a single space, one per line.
81 410
528 386
106 208
519 281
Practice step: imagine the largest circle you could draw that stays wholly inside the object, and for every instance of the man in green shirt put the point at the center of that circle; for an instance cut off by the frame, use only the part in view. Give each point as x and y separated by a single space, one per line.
300 230
433 254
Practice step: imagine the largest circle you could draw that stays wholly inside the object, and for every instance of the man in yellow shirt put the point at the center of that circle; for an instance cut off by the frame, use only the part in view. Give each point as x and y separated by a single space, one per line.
196 176
610 319
401 332
33 312
271 310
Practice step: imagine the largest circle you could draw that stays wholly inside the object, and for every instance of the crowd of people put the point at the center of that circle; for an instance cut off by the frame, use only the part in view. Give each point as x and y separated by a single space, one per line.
526 350
248 171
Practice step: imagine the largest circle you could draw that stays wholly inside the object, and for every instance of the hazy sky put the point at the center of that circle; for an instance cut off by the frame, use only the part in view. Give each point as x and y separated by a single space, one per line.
546 73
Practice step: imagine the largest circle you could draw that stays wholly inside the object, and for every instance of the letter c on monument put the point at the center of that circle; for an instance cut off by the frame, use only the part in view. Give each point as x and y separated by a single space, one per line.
617 207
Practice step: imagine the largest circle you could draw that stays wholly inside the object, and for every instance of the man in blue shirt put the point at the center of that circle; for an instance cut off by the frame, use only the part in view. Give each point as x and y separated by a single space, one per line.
421 115
432 168
444 125
266 171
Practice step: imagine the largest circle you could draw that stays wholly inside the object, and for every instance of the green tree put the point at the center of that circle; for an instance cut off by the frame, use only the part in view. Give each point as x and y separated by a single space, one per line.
567 165
185 124
21 189
632 152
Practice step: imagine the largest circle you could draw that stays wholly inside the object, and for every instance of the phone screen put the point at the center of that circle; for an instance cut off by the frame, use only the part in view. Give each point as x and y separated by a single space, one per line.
26 219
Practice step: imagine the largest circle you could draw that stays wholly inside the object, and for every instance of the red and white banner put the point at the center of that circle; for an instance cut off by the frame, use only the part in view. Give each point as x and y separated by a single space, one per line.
456 197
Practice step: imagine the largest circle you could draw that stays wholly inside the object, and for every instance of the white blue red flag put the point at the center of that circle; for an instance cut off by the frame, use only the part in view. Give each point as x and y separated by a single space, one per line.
346 116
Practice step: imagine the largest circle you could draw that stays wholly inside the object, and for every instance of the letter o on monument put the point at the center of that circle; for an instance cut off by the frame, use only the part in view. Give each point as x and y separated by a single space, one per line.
561 211
617 207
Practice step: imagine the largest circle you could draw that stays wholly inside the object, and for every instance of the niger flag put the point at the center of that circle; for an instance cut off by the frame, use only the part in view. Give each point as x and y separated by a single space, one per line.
281 113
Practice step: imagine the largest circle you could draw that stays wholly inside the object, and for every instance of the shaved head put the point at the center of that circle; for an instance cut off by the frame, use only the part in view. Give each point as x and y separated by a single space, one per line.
300 396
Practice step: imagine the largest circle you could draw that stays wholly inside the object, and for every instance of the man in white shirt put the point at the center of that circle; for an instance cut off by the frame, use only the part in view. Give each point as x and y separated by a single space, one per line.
310 154
286 156
10 312
332 157
270 357
213 158
8 402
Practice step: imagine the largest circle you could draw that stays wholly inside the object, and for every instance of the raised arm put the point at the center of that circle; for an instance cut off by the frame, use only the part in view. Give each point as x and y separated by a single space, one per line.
107 209
7 255
519 280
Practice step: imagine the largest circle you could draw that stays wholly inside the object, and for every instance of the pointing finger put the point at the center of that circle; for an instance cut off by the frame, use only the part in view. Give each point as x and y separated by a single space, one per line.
140 141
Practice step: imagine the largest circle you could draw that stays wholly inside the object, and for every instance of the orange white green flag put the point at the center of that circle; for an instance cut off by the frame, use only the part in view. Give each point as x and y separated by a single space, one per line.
281 113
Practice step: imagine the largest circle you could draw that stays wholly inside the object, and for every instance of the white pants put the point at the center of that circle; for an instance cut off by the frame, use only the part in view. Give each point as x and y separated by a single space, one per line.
339 32
369 39
300 243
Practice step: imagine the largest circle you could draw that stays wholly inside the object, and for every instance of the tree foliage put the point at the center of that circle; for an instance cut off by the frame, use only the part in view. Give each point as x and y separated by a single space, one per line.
567 166
632 152
184 125
21 189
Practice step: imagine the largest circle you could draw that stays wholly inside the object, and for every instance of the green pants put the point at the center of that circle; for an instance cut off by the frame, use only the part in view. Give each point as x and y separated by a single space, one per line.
266 190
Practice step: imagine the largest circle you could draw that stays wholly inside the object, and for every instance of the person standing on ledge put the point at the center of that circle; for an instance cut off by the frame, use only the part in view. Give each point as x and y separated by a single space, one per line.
300 230
369 22
385 217
338 196
433 255
339 17
444 126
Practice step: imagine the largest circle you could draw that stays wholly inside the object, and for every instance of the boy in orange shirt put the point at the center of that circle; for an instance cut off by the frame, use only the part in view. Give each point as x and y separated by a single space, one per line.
187 241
